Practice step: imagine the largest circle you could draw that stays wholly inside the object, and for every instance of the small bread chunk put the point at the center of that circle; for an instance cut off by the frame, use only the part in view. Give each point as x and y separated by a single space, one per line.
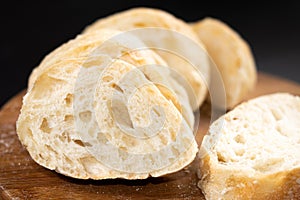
90 115
231 55
253 152
196 80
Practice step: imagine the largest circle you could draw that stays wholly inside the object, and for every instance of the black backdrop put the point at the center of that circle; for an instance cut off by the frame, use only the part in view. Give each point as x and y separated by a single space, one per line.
31 29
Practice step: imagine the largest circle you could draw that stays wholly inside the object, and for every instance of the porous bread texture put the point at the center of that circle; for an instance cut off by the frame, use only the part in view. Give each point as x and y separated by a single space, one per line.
87 44
196 78
232 56
252 152
67 114
80 47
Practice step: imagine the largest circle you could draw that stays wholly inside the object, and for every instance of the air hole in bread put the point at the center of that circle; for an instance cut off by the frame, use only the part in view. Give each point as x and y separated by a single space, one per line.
40 155
240 152
72 171
122 154
147 77
69 70
279 130
85 116
68 118
61 138
68 160
121 114
168 94
124 149
50 149
91 132
104 98
239 139
277 116
172 133
69 99
89 164
79 142
64 137
44 126
245 125
252 157
29 133
107 78
151 91
234 118
116 87
220 157
101 138
156 112
45 86
163 139
150 157
175 152
171 160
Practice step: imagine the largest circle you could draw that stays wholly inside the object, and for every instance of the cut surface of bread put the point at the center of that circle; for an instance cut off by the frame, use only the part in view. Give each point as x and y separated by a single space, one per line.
89 115
252 152
178 50
232 56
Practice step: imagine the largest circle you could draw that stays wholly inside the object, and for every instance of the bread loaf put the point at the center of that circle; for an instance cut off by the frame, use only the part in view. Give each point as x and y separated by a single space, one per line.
178 50
231 55
252 152
92 112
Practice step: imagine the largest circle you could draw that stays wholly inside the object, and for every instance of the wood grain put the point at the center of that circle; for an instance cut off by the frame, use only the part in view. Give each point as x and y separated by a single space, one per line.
22 178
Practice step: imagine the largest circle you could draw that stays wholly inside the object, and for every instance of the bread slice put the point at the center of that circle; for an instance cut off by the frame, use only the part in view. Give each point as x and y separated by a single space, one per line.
80 47
91 115
253 151
177 50
231 55
103 41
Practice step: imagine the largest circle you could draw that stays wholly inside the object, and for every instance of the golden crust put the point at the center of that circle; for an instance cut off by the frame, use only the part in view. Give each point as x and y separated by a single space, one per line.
225 175
220 183
231 55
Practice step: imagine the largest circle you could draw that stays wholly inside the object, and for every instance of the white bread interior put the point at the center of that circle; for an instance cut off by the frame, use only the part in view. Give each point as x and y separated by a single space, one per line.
198 77
63 128
252 152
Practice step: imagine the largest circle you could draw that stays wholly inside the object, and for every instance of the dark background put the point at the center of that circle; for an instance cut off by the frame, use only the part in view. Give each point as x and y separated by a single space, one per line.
31 29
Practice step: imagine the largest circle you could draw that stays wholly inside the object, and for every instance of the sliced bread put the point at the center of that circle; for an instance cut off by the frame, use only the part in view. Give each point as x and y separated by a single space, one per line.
231 56
180 47
253 152
89 115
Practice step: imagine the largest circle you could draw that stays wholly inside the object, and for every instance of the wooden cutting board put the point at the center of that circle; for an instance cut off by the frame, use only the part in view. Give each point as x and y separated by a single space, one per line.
22 178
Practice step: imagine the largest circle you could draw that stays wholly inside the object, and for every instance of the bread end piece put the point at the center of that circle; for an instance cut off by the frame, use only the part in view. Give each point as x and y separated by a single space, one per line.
252 152
232 56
